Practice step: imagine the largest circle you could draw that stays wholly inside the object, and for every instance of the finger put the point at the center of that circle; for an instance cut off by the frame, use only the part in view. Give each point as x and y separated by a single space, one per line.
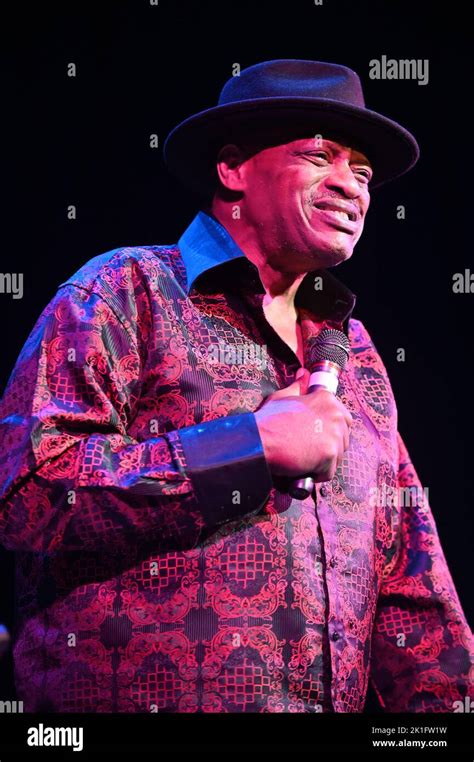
347 438
293 390
342 449
302 376
297 388
349 432
349 419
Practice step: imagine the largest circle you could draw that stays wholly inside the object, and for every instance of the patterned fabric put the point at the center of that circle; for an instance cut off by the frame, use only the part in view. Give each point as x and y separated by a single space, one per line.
160 568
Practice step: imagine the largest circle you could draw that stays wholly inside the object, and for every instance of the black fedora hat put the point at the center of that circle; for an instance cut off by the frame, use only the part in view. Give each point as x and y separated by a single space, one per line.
283 100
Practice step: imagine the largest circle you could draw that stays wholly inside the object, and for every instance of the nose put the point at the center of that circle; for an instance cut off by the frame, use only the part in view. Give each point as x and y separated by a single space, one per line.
342 179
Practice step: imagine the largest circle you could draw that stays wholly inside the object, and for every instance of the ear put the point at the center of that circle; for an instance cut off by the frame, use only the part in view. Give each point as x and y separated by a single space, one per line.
231 167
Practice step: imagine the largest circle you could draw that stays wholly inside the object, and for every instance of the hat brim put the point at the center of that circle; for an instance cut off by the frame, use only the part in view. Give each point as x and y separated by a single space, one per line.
190 150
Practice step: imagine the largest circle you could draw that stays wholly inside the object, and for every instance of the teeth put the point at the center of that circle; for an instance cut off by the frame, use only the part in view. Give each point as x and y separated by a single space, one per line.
338 213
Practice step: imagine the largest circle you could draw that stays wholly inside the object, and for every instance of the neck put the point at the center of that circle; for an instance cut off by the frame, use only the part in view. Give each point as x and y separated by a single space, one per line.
280 287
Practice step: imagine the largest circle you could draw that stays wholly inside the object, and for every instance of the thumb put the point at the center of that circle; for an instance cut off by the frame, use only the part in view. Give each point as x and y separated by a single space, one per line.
298 387
302 379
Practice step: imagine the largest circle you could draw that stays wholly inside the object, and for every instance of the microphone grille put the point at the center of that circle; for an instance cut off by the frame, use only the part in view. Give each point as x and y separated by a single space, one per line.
330 344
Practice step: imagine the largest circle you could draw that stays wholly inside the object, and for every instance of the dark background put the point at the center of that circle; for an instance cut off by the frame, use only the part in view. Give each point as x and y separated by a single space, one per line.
141 70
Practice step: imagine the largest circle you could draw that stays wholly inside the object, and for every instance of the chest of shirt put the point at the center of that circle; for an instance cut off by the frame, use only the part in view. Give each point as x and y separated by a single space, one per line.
216 355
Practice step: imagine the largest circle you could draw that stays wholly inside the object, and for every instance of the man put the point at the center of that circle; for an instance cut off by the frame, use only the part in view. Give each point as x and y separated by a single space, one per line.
157 415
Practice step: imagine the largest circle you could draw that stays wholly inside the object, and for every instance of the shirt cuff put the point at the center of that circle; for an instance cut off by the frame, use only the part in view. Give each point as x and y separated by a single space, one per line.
226 463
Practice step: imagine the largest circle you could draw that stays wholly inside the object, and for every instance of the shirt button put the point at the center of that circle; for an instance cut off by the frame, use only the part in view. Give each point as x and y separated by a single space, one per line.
335 636
332 562
323 491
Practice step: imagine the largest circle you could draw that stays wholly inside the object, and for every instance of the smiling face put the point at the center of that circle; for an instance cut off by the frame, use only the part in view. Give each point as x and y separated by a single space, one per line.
305 200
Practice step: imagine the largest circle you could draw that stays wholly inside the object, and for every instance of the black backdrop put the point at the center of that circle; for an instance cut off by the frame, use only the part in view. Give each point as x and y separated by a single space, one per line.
142 68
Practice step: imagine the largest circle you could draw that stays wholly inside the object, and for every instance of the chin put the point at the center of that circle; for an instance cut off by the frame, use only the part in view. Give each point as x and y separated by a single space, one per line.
333 256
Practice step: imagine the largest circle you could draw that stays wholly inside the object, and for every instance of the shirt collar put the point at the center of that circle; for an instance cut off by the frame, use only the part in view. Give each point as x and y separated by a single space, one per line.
206 243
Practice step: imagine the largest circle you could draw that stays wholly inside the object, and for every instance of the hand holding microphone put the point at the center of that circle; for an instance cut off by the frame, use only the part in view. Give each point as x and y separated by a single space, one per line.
305 435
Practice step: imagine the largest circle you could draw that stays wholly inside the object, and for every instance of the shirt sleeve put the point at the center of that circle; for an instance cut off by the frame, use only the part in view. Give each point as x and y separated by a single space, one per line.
71 476
422 650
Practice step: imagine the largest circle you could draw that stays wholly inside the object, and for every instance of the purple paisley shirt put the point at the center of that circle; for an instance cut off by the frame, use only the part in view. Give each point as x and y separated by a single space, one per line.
159 565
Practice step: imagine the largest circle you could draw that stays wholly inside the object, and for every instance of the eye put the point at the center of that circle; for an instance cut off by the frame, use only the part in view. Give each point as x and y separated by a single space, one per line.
364 173
322 155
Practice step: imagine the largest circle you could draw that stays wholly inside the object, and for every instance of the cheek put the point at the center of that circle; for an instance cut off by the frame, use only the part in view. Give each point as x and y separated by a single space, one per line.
294 183
281 197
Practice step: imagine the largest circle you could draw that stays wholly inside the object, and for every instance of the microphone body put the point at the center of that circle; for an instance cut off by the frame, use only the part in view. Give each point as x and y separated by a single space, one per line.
328 356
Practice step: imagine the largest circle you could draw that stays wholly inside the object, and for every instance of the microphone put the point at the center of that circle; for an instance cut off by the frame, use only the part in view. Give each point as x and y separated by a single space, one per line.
4 639
327 356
